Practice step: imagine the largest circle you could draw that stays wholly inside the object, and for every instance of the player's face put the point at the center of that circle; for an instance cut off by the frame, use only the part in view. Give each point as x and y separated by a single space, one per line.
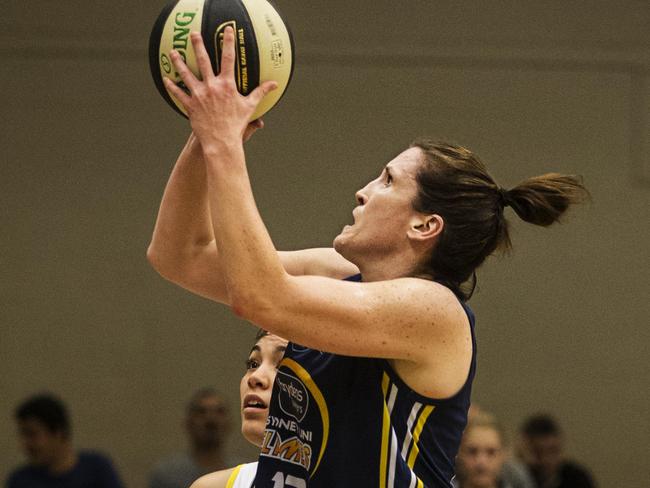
40 444
257 384
384 211
480 457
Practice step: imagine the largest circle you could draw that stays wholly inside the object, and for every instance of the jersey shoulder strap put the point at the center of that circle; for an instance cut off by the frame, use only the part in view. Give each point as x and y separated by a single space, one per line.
242 476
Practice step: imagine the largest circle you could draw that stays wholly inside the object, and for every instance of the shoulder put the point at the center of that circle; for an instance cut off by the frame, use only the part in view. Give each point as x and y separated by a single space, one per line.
95 458
21 477
438 303
218 479
100 468
574 472
516 474
441 326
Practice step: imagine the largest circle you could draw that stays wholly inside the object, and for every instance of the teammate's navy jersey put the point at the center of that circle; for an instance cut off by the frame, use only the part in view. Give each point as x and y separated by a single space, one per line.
347 422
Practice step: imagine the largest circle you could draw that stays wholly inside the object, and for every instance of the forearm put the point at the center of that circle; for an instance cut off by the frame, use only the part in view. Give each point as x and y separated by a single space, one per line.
251 267
183 221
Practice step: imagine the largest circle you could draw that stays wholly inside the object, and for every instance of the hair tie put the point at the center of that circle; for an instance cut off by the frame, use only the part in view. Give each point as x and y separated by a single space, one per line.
504 197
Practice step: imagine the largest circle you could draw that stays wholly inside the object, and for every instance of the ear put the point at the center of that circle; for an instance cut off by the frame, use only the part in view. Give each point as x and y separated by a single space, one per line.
425 227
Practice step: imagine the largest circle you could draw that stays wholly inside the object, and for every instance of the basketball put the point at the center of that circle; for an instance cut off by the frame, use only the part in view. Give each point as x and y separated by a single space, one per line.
263 45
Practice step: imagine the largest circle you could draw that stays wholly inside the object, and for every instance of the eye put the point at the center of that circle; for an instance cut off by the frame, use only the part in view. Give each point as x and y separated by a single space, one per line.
388 179
252 364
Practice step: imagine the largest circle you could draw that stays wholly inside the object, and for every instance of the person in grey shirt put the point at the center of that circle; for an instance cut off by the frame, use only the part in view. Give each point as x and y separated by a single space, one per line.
207 423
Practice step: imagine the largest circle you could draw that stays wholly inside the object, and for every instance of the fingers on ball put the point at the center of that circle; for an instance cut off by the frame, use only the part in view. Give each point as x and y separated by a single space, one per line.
228 52
202 57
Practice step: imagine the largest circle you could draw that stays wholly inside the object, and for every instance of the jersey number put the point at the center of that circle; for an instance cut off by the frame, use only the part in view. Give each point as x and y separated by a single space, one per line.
291 482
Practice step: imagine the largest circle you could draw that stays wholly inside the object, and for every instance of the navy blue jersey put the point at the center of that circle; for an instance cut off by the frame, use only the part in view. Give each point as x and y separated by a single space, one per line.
348 422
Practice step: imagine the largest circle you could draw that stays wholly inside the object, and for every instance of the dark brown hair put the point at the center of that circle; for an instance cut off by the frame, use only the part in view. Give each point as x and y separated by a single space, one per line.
47 409
455 184
541 425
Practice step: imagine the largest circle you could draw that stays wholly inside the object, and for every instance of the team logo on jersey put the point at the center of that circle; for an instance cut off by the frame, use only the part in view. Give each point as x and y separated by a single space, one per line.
293 397
292 449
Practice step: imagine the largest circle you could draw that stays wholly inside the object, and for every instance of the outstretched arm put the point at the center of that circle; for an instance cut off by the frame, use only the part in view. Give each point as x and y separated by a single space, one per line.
183 238
409 319
183 247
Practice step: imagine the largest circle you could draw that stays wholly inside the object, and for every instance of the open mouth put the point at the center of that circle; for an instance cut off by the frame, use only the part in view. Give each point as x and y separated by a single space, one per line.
255 402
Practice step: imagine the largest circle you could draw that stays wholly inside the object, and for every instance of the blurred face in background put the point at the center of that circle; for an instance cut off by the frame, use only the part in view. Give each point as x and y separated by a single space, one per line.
480 457
257 384
41 445
544 453
208 422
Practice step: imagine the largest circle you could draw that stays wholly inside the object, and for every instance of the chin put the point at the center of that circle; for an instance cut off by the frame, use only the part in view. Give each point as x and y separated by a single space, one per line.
337 243
342 243
253 433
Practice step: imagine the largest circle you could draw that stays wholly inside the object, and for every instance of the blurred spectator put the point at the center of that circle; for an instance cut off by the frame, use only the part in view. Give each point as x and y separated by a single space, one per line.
481 455
45 433
542 450
514 474
207 423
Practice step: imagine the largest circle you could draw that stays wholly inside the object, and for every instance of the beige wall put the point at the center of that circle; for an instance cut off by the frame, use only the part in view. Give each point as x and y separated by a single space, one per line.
87 145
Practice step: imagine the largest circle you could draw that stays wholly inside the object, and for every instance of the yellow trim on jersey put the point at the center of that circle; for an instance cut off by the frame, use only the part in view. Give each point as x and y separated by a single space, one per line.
233 477
420 484
320 401
424 415
384 434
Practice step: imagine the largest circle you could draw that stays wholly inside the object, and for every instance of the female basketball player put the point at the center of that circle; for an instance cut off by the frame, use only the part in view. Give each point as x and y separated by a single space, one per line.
375 383
255 397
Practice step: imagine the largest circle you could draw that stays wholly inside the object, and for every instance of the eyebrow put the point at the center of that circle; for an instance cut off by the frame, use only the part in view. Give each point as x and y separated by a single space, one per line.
389 170
277 349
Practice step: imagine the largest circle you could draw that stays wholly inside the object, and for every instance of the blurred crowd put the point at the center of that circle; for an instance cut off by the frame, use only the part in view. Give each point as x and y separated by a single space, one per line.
535 458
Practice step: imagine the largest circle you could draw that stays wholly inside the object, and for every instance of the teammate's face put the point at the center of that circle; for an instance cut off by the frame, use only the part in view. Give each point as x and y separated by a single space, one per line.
480 457
257 384
384 211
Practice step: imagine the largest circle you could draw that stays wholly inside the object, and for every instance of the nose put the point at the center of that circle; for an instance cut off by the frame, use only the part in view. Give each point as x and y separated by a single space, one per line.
260 378
361 196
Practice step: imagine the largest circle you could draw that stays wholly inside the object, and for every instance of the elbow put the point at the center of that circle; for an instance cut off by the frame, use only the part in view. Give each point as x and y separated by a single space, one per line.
255 307
154 256
162 263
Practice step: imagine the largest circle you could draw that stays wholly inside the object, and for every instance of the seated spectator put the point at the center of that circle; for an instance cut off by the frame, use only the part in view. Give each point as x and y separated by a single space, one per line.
207 424
481 454
514 473
543 452
45 432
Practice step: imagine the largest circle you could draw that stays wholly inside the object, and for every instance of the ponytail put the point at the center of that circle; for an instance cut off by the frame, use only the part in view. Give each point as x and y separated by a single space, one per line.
543 199
455 184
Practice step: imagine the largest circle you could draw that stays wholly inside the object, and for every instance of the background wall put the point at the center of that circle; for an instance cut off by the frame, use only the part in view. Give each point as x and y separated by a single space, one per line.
87 145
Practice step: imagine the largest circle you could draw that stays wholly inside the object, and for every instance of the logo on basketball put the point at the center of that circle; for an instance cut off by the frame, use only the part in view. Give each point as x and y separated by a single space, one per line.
293 397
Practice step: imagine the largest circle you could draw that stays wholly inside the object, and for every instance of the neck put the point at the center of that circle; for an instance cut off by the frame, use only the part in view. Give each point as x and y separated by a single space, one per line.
64 461
398 265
